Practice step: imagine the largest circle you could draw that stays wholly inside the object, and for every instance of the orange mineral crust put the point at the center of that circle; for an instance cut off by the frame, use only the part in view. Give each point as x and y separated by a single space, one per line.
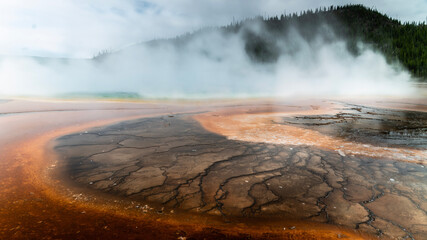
36 204
262 127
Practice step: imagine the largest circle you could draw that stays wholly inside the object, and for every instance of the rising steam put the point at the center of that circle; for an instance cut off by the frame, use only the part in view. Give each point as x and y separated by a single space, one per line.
213 64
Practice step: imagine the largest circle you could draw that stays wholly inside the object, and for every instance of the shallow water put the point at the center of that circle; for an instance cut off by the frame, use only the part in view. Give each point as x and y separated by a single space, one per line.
173 162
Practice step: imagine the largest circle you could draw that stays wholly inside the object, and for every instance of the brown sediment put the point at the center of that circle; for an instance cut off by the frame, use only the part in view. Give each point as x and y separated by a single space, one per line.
33 205
262 127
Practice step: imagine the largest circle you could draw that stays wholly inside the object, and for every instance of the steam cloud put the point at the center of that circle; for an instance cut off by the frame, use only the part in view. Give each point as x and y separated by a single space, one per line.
213 65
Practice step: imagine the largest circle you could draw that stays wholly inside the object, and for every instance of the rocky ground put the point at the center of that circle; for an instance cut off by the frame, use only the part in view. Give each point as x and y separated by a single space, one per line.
172 161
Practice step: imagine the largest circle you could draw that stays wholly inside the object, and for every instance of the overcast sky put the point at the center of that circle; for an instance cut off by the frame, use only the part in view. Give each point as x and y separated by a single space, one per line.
81 28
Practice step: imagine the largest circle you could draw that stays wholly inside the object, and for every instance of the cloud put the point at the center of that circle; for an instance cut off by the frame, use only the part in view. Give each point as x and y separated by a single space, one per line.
80 28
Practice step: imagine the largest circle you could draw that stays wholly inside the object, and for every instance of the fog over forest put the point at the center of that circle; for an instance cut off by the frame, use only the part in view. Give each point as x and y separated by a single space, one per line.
214 64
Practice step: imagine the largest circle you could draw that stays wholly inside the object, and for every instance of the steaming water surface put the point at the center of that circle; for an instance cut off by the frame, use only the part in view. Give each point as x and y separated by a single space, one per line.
264 169
215 64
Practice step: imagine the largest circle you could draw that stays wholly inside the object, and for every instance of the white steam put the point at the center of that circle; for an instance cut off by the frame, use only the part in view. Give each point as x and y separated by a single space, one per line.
212 65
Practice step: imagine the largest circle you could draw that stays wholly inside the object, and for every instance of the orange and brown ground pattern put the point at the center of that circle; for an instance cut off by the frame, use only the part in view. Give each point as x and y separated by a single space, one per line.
237 170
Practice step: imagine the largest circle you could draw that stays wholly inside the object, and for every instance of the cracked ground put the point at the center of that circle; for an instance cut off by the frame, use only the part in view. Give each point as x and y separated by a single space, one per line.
173 162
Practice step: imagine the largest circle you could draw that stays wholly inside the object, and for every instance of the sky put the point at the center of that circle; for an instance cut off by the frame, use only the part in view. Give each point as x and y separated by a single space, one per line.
82 28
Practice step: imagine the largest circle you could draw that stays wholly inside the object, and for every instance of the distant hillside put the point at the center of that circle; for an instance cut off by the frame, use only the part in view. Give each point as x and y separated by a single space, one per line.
405 43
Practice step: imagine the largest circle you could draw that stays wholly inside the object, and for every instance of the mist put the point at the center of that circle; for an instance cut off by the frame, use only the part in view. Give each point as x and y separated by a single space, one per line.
215 64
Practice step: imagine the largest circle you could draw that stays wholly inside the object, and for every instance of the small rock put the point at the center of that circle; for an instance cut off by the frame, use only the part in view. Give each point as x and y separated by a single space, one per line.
161 210
293 227
392 180
340 235
91 183
246 181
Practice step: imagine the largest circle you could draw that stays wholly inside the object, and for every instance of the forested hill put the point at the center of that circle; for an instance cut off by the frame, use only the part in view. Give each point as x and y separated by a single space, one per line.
399 42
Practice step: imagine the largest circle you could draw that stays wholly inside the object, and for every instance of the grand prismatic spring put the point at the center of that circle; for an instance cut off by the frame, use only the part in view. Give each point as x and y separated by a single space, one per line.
198 119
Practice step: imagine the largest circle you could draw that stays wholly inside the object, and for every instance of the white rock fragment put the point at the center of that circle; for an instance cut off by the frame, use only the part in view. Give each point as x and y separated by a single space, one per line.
341 152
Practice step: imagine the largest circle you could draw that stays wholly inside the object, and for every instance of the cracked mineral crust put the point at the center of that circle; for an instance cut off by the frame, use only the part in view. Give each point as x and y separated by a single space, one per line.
176 163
